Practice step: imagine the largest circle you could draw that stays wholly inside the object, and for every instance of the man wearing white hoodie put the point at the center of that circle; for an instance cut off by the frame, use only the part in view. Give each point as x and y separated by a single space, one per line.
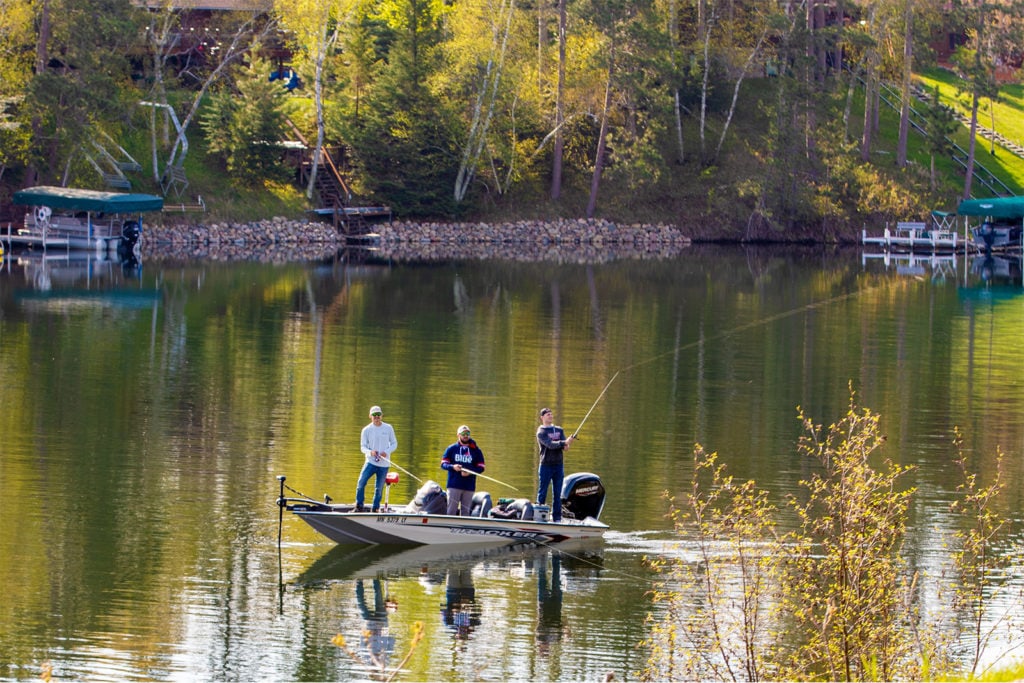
377 443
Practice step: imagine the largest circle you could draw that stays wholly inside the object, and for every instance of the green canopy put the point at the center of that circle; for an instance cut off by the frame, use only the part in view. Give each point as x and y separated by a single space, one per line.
997 207
73 199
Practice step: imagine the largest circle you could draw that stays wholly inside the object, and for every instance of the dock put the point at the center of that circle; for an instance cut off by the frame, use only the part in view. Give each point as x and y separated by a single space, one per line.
914 236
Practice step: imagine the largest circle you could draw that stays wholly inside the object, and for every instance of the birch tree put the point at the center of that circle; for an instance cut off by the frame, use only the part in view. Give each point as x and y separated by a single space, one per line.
995 31
240 28
907 73
559 144
313 25
499 27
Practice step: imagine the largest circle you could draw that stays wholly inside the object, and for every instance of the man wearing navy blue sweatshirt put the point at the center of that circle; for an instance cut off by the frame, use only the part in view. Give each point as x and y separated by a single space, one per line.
463 460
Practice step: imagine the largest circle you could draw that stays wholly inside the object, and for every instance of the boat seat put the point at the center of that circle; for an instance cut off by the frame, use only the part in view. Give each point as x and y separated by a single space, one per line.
507 508
481 505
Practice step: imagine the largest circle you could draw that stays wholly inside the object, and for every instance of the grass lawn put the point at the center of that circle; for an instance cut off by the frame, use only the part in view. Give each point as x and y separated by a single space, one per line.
1009 121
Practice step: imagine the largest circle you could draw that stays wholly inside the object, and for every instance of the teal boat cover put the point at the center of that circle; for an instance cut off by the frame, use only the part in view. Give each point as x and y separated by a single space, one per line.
996 207
72 199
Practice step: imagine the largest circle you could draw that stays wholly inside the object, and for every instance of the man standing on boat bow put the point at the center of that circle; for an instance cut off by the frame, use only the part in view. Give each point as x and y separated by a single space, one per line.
377 443
463 460
552 442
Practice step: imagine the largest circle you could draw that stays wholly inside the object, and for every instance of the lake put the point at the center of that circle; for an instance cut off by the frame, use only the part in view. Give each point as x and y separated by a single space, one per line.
148 411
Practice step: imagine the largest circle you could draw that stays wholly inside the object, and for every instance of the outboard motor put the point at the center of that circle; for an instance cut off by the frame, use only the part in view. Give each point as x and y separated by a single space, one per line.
583 495
130 232
126 246
481 504
430 500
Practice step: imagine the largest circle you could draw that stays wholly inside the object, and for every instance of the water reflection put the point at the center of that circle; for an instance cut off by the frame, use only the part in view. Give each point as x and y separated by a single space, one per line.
460 612
549 602
377 642
239 372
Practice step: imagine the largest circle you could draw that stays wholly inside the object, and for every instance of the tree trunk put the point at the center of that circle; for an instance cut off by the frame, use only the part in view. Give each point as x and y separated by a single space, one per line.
318 101
677 104
908 61
869 79
972 143
556 163
42 58
755 53
704 88
595 181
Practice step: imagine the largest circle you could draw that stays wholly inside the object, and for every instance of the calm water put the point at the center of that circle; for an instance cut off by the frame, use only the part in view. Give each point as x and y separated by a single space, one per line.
146 415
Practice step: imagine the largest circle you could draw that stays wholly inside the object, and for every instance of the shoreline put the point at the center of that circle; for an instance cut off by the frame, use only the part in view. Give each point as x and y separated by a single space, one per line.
280 239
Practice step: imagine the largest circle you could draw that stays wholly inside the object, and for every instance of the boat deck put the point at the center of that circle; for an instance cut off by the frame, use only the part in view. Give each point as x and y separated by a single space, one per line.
64 232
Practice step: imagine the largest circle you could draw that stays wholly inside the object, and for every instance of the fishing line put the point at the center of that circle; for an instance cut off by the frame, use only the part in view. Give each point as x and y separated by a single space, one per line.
747 326
721 335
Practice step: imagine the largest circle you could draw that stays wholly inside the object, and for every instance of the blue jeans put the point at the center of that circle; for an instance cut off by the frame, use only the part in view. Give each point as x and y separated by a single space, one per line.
551 474
370 470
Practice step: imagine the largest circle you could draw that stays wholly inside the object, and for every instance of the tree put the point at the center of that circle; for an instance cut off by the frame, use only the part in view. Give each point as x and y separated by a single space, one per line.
239 29
491 68
402 145
940 125
907 72
78 83
314 27
245 128
559 151
993 34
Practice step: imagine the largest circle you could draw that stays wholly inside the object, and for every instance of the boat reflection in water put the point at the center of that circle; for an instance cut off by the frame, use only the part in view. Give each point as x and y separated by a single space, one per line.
460 594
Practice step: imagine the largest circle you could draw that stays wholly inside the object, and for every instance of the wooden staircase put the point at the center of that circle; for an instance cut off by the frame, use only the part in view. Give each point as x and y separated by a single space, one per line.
334 198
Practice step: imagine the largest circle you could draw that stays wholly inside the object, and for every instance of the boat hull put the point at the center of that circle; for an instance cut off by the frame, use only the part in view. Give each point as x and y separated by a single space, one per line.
403 528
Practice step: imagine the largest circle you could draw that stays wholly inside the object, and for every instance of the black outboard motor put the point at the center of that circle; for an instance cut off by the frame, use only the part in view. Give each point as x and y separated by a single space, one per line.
130 232
126 246
582 495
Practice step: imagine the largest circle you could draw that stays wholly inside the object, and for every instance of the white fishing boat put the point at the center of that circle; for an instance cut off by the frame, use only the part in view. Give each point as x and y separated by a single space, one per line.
423 522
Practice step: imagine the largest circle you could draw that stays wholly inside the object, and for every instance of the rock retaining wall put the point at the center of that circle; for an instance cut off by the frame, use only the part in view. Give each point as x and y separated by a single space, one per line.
283 239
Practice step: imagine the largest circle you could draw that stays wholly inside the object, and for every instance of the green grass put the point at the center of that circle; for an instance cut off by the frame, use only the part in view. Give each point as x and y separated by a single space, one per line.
1009 122
224 199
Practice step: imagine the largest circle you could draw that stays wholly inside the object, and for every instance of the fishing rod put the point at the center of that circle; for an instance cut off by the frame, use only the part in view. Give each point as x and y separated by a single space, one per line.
496 481
594 406
406 471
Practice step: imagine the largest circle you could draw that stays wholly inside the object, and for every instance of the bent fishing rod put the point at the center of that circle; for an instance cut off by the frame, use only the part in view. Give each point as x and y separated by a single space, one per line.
600 396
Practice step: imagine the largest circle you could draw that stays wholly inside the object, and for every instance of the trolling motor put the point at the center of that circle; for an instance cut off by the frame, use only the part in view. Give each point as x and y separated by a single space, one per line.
389 479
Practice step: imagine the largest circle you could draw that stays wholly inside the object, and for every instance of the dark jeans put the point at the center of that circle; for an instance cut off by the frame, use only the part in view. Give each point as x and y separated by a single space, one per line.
370 470
551 474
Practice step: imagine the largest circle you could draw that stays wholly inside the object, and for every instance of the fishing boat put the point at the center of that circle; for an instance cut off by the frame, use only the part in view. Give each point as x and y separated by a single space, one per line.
75 219
1001 221
423 522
